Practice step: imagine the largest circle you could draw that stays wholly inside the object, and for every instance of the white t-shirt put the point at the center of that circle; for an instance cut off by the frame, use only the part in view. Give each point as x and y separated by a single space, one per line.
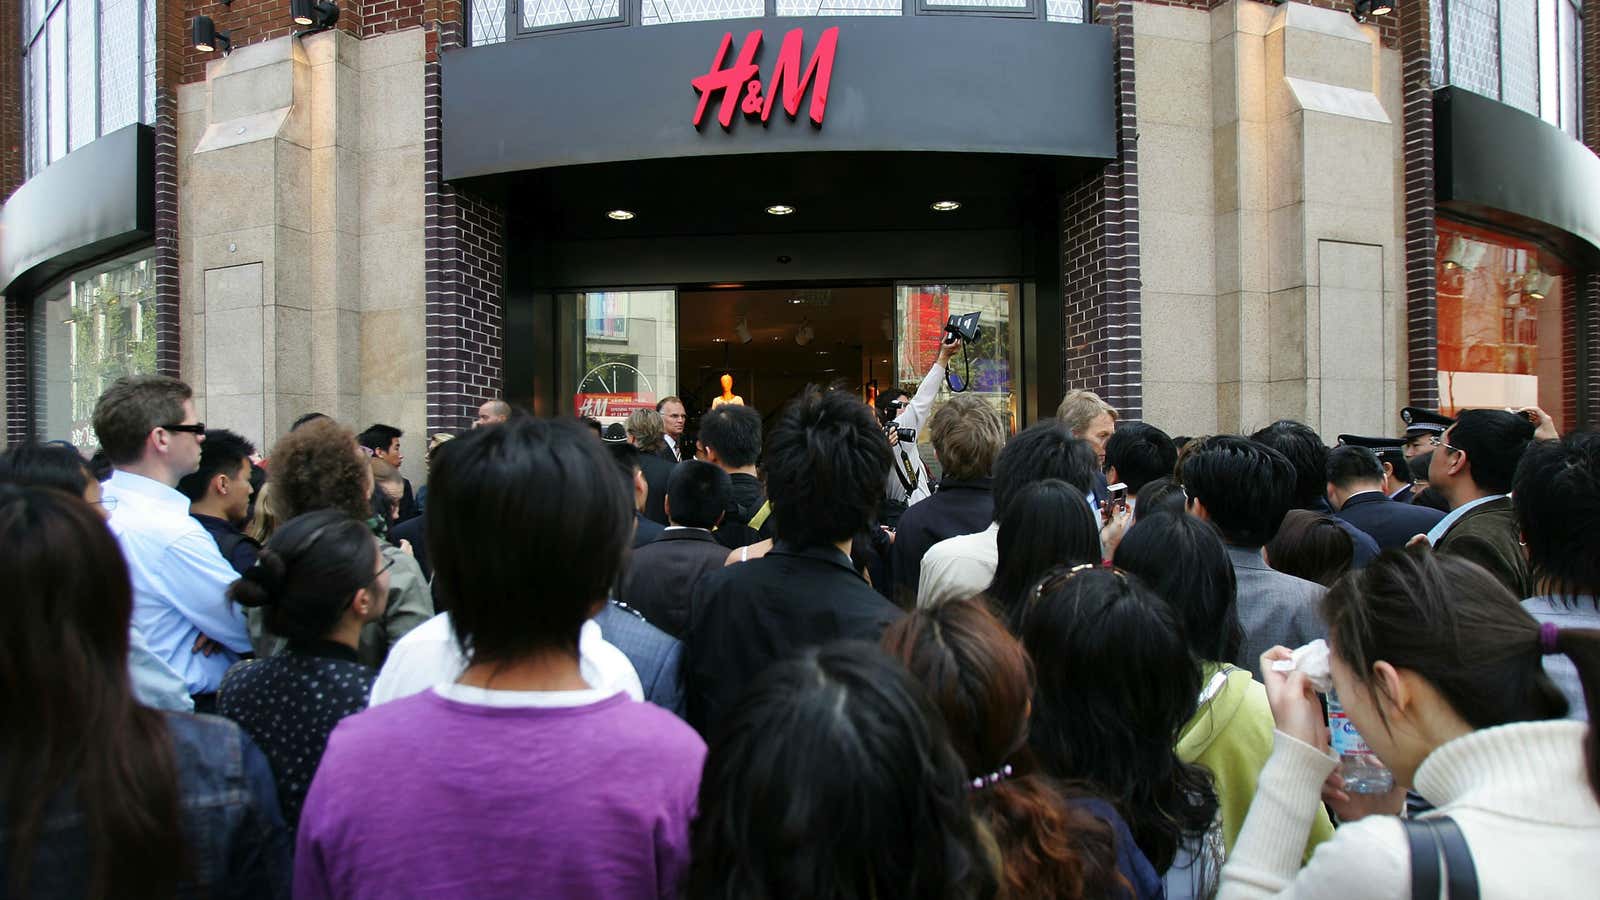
428 656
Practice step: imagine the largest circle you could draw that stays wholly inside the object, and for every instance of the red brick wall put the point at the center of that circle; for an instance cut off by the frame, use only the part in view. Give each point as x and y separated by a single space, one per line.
11 155
1100 253
250 22
1587 397
1421 242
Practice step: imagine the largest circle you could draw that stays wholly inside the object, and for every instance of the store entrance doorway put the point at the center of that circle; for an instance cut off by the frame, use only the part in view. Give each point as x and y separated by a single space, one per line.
773 342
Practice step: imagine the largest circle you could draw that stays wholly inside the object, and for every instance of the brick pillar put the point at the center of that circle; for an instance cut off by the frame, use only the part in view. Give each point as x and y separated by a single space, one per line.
1585 356
11 154
1421 236
1100 252
465 249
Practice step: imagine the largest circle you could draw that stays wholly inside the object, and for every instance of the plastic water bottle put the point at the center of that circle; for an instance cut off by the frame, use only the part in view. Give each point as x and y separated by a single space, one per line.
1360 768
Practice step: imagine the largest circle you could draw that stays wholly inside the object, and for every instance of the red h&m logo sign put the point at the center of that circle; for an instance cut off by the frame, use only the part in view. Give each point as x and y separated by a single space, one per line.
788 78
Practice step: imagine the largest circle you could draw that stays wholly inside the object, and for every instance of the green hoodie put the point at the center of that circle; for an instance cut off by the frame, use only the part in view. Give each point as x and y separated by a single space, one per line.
1231 734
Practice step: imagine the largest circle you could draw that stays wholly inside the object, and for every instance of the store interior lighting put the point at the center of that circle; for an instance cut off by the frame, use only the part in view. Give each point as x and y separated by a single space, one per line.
1537 285
207 38
741 330
780 209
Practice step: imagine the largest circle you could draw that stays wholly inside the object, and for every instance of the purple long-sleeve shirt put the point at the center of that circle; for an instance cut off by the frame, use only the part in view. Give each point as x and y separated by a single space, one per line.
431 797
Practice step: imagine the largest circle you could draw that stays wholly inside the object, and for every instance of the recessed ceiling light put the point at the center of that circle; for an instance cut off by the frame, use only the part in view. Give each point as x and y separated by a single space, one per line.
621 215
780 209
719 340
796 301
945 205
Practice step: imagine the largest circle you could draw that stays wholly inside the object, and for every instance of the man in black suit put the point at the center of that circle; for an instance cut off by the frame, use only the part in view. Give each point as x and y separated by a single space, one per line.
627 458
673 417
826 462
644 428
1398 481
662 575
1356 491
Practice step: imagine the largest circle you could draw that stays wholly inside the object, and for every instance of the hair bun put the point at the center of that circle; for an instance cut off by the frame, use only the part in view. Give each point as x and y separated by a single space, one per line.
262 583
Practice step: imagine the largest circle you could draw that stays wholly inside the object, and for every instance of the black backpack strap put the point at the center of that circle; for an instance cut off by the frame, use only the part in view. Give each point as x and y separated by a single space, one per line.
1460 874
1424 860
1429 838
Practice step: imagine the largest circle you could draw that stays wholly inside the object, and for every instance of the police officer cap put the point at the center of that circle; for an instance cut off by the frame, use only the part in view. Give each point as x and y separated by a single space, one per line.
1375 444
1424 421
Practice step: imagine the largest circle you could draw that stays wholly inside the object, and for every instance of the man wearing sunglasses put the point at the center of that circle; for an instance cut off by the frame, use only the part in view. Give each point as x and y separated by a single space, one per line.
147 427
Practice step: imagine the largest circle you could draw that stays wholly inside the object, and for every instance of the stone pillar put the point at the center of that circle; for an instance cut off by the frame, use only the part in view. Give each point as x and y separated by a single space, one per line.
300 172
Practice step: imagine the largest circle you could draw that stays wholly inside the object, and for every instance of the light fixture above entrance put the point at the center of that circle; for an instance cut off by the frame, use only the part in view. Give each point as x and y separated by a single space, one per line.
945 205
780 209
621 215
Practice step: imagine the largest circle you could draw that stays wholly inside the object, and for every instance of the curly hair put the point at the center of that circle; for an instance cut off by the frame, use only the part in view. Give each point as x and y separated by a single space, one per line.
318 467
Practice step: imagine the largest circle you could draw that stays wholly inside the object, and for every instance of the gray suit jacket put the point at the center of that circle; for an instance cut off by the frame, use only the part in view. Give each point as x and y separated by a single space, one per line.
656 655
1274 608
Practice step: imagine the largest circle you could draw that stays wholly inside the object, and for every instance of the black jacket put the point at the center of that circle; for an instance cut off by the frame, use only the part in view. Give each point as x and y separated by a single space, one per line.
645 530
745 500
957 507
1391 524
752 614
657 472
662 576
414 530
238 548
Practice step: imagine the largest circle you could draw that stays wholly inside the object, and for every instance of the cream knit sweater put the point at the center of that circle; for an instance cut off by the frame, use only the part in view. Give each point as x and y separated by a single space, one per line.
1519 793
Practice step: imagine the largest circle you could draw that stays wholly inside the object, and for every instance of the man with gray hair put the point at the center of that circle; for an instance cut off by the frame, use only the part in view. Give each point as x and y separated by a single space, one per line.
646 432
1093 419
967 434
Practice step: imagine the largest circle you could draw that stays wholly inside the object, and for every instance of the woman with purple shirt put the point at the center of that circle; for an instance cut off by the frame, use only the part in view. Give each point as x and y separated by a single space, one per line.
519 779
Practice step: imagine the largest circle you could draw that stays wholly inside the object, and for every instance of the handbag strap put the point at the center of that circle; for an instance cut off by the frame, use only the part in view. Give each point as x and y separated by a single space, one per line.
1430 837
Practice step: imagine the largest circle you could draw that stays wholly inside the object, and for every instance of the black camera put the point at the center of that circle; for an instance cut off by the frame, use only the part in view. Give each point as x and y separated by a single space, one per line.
892 429
964 327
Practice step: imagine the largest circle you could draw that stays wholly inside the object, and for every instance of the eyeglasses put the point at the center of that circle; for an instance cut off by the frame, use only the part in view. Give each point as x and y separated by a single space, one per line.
109 504
1438 441
197 428
386 567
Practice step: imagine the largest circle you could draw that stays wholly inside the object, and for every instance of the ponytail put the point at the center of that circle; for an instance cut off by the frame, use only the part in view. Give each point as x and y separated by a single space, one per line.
1582 647
308 573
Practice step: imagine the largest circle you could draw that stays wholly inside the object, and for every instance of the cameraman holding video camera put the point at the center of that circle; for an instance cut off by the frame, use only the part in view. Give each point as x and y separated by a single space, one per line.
902 418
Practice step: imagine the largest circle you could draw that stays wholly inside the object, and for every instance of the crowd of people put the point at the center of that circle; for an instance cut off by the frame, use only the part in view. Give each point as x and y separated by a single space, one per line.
864 650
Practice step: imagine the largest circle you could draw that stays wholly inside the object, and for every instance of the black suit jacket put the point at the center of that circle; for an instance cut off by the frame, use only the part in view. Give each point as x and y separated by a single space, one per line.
657 472
663 574
645 530
1490 536
958 507
752 614
1391 524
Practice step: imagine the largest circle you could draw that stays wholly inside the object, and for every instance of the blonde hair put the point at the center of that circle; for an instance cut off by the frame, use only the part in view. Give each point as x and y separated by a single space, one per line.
265 520
646 428
967 434
1080 407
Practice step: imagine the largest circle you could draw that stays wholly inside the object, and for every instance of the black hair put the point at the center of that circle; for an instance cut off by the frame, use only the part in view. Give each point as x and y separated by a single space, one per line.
1349 464
826 464
1044 450
1141 453
1164 494
1311 546
1245 486
885 403
377 438
308 573
1494 441
45 465
734 432
528 496
593 424
1116 685
833 777
1556 495
1454 624
100 466
1182 560
1305 451
223 453
697 493
1047 524
308 417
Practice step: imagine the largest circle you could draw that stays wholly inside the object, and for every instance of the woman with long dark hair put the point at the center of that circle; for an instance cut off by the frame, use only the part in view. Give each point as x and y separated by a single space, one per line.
103 797
981 681
318 580
1439 668
1116 687
1182 560
832 777
1048 524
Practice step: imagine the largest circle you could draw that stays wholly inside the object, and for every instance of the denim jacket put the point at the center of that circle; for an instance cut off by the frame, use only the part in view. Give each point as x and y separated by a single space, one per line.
238 845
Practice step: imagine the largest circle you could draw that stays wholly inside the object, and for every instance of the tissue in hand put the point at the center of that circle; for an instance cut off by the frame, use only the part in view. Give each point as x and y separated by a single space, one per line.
1311 661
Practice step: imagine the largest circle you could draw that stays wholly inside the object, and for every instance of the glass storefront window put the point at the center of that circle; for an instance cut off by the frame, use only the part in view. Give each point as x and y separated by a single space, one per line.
1524 53
98 325
74 93
1505 308
628 352
922 311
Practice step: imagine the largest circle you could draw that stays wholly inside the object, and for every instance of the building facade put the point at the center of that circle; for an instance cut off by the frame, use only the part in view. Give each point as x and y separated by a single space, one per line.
1213 214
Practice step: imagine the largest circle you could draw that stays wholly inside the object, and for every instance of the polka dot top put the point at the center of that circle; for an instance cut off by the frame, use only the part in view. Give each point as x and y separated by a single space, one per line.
289 704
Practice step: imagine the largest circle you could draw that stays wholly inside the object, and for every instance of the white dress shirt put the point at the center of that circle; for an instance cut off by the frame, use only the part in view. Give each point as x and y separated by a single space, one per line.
914 416
672 444
428 656
180 581
958 567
